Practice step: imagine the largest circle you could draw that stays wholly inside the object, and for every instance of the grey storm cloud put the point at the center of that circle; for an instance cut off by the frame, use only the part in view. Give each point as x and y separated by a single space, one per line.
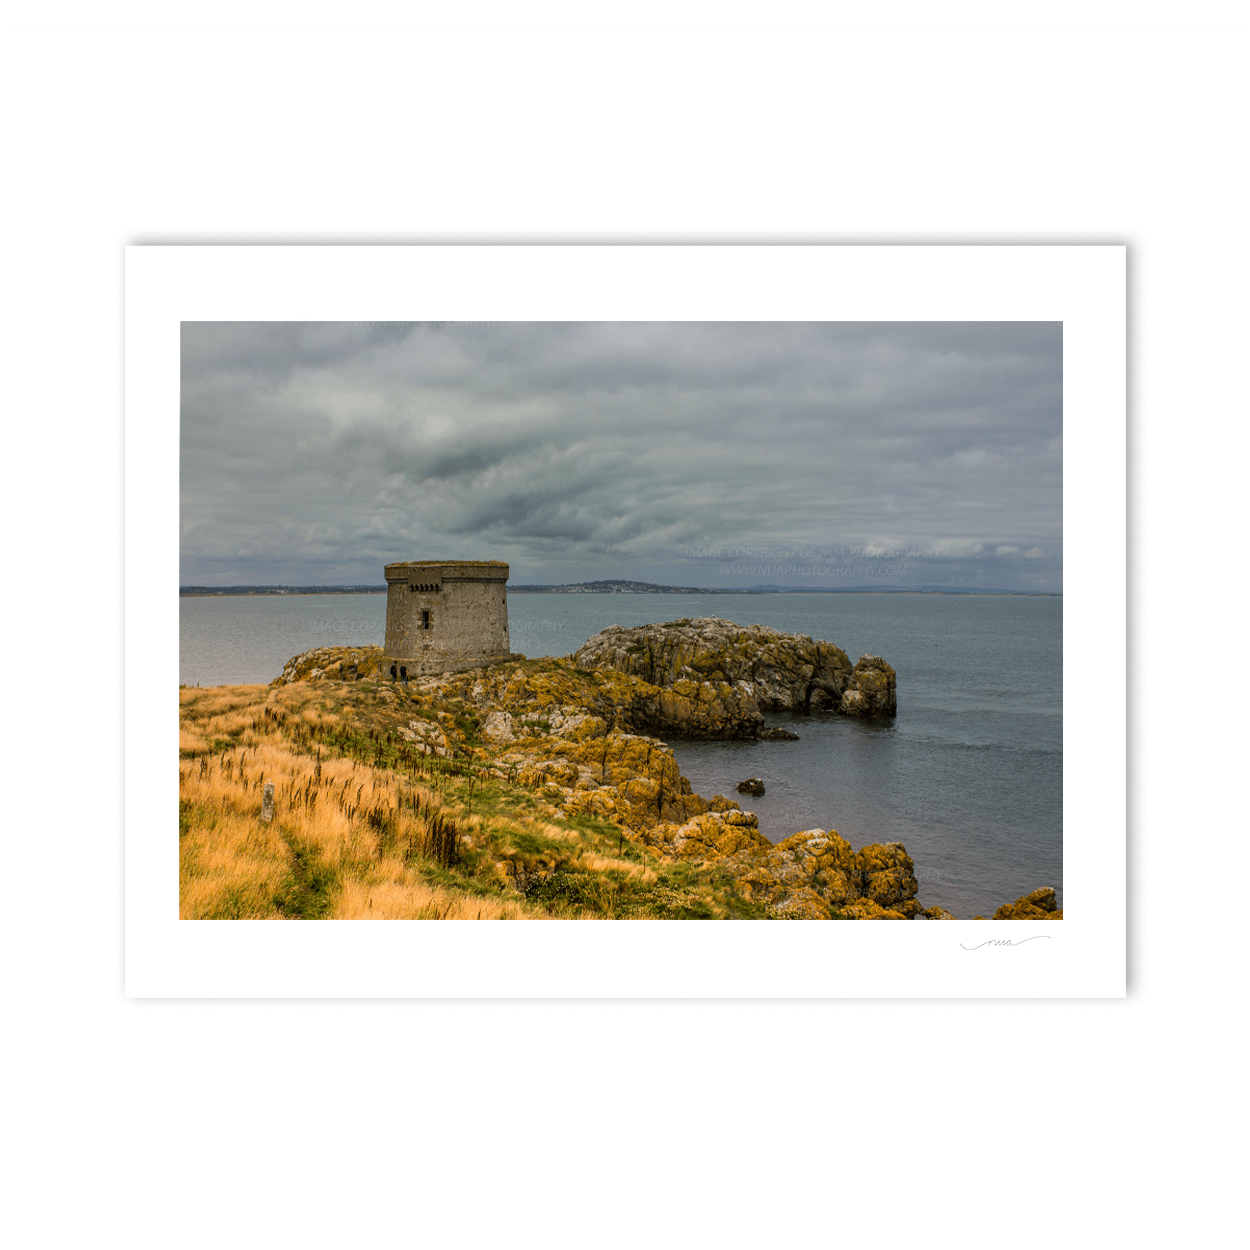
715 454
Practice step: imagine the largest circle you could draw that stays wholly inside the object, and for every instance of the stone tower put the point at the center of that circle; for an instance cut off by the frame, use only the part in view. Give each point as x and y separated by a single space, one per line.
443 616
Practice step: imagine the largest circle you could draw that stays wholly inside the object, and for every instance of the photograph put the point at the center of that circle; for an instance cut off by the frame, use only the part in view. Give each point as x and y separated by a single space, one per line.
621 620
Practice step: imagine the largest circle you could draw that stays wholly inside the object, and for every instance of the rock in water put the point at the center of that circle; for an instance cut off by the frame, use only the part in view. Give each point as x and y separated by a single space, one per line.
870 690
752 786
781 672
773 734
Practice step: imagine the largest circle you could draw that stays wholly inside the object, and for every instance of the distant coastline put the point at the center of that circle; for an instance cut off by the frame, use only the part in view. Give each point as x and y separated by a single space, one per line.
194 592
629 588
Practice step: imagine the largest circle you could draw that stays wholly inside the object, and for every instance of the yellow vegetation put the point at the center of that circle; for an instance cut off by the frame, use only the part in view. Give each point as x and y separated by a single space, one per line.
347 840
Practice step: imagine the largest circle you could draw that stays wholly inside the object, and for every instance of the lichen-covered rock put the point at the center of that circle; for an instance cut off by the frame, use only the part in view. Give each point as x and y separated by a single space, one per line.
554 696
780 671
334 664
499 727
810 875
704 709
560 771
870 690
711 836
430 737
1040 904
889 874
800 903
822 860
869 909
641 773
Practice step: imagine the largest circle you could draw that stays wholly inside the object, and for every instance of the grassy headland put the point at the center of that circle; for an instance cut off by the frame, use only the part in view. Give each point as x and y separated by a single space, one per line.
369 825
529 789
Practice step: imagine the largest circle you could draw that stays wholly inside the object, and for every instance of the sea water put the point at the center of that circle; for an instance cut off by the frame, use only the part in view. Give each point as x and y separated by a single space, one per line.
968 775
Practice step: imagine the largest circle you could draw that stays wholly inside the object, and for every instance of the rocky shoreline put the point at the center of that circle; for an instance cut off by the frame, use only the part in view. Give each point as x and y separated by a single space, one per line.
587 734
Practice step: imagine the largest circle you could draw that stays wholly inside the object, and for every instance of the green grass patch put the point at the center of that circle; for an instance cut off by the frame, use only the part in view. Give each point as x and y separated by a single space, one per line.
584 822
529 843
570 890
307 891
738 908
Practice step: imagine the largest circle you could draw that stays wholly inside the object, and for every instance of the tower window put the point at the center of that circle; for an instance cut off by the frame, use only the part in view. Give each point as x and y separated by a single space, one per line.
425 620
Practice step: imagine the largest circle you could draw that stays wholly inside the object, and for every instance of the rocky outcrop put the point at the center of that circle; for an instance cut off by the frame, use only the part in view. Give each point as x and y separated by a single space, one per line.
431 737
334 664
583 740
752 786
870 689
1040 904
813 875
781 672
686 709
699 709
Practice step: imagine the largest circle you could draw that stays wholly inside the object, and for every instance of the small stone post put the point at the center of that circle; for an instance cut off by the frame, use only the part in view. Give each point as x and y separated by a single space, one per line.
266 803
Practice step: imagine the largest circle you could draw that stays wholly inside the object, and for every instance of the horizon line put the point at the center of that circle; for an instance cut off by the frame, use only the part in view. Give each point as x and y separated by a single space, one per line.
192 590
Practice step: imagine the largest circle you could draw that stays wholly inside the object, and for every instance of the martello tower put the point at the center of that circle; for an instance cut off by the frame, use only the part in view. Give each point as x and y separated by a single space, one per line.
443 616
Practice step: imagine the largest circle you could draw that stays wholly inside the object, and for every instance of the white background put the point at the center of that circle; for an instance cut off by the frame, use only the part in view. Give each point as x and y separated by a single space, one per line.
257 1123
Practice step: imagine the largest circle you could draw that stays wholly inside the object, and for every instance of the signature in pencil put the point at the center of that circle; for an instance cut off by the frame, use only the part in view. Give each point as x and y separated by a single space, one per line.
1005 941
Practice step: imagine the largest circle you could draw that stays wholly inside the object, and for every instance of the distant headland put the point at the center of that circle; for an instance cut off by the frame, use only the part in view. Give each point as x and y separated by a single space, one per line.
618 587
193 591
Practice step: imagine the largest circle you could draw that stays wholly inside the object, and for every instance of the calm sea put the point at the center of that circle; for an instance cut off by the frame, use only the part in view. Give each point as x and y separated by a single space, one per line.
969 776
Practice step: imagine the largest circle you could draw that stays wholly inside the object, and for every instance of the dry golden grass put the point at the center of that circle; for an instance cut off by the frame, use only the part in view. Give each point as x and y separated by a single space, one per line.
610 863
322 855
392 900
554 832
368 827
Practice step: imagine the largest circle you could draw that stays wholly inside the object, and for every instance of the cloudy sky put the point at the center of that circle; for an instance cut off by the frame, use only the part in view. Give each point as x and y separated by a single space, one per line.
720 454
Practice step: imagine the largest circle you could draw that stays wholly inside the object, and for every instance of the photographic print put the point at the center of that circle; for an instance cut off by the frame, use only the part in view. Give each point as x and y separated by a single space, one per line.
586 620
641 585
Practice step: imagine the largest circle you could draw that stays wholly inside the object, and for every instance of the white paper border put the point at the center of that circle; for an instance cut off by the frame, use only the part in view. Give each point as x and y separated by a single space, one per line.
1081 956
